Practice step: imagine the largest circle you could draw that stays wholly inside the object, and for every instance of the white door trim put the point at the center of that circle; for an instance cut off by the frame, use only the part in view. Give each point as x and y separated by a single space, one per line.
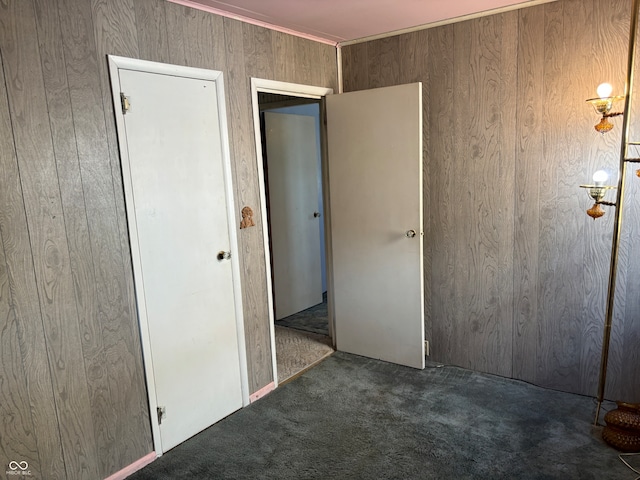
297 90
115 64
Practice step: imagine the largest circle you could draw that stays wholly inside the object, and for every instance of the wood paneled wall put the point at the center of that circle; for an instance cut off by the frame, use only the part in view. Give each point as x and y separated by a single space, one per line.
73 401
516 272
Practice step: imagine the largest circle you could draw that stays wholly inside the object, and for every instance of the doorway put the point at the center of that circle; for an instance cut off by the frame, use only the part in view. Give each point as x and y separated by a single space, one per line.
374 230
289 142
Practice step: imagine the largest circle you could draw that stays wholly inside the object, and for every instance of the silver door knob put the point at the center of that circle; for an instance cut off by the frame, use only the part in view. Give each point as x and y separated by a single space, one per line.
222 255
317 214
410 233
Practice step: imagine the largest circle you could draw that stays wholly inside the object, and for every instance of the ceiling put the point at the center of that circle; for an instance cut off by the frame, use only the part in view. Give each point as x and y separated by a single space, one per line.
339 21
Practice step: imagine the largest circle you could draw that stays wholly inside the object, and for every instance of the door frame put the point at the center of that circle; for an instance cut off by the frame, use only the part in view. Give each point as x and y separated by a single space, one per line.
303 91
115 64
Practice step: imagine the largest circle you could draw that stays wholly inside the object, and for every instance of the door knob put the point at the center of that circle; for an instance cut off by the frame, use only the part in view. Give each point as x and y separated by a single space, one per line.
317 214
410 233
222 255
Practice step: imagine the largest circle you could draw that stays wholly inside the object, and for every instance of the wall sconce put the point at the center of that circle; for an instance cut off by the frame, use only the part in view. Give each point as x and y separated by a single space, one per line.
597 192
603 104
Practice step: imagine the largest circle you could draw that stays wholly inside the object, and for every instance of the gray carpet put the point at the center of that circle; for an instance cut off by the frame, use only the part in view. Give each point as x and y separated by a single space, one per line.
356 418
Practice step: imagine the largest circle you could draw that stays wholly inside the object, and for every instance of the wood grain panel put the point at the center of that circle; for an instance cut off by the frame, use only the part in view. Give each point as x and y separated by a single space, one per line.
529 125
115 33
115 26
479 241
24 300
153 39
566 331
315 55
258 51
115 313
412 66
501 357
547 259
355 67
329 64
300 55
204 40
75 217
254 281
18 439
384 69
283 45
439 185
176 39
463 171
25 430
47 236
322 63
488 231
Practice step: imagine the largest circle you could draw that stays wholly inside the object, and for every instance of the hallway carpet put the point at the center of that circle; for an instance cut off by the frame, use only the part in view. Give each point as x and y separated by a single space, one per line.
298 351
357 418
314 319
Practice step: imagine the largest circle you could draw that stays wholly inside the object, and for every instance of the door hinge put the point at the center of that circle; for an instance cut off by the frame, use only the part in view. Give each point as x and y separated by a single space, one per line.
125 103
162 413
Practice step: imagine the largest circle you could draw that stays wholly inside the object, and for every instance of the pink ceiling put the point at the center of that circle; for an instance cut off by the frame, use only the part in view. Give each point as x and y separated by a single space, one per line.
336 21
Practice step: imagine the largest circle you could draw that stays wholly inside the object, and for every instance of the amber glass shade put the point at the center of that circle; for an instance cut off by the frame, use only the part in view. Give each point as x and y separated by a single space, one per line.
596 211
604 126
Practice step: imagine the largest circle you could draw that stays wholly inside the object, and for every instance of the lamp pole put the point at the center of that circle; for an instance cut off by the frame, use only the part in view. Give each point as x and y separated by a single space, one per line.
617 224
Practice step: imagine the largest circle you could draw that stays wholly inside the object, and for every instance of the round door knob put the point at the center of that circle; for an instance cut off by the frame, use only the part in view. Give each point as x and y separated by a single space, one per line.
222 255
317 214
410 233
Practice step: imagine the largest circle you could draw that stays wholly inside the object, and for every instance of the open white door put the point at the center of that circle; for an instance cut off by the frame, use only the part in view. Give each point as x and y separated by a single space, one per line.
375 187
294 211
180 211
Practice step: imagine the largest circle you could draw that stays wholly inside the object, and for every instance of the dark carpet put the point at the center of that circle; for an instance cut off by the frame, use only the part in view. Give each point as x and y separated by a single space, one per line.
314 319
356 418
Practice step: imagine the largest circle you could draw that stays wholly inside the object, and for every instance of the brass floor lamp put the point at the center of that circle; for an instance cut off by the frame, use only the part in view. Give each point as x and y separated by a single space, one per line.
603 106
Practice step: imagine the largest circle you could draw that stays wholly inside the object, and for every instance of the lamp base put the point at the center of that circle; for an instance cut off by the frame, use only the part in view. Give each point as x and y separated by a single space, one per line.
623 427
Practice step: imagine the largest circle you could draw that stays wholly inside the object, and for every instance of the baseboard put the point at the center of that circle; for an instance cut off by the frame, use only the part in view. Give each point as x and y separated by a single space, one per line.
262 392
134 467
